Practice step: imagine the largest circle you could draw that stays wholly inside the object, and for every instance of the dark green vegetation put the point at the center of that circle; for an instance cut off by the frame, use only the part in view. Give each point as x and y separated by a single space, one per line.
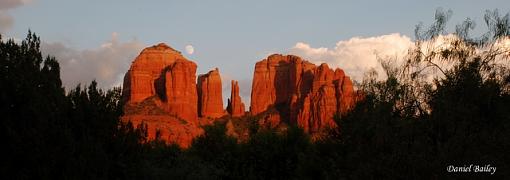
406 126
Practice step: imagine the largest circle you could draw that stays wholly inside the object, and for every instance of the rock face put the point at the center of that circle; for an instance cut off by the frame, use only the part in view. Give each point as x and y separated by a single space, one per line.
235 104
300 91
210 99
167 128
180 89
160 92
139 81
162 95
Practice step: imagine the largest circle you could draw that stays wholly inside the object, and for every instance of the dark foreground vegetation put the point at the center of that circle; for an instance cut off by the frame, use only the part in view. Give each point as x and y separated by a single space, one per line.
407 126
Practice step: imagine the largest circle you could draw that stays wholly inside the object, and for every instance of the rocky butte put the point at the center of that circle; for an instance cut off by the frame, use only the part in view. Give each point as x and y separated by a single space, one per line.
163 95
289 88
160 94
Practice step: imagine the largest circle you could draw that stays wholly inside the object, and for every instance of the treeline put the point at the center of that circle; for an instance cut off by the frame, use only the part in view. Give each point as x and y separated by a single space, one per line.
48 134
406 126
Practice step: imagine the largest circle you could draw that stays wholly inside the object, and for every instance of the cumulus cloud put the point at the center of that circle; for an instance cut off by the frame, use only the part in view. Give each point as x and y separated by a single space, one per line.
358 54
106 64
6 20
189 49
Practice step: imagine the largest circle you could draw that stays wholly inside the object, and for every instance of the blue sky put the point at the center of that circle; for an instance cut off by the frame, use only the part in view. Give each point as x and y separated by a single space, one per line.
222 25
230 34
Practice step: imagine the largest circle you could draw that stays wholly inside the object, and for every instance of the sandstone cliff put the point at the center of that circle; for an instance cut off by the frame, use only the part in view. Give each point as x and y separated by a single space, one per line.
210 99
300 91
162 94
160 91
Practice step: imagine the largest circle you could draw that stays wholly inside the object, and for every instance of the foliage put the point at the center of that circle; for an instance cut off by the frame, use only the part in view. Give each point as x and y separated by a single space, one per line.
447 104
49 134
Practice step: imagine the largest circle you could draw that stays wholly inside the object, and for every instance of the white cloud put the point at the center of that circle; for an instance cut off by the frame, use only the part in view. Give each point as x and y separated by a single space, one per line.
359 55
107 64
189 49
356 55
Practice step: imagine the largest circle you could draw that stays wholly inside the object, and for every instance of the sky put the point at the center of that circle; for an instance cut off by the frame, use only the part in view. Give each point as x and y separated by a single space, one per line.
98 39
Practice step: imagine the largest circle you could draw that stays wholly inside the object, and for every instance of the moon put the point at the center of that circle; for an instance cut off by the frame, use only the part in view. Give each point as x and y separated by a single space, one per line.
189 49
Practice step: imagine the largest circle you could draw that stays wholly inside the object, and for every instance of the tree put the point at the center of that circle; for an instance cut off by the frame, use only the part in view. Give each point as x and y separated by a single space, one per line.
447 104
49 134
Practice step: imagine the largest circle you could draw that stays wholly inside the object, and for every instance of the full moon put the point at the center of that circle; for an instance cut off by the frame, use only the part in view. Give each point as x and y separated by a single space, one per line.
189 49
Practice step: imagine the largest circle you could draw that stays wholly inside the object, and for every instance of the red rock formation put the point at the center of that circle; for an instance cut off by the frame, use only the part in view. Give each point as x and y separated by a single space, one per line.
210 98
180 90
160 90
235 104
348 97
270 121
161 94
139 81
276 79
322 101
168 128
306 94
